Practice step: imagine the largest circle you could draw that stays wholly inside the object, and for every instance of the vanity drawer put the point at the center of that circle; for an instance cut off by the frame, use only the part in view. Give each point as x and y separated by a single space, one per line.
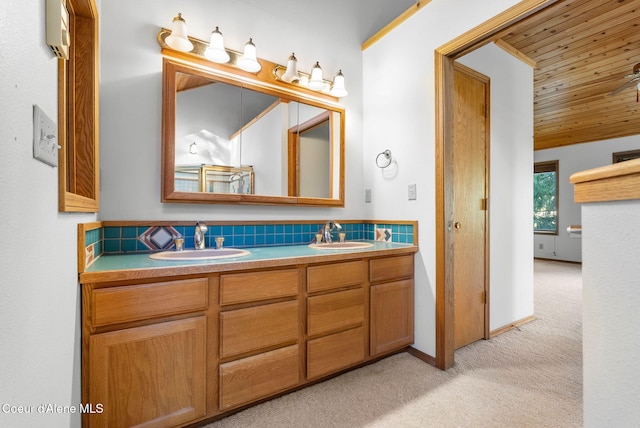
334 352
251 329
251 378
256 286
391 268
138 302
336 275
334 311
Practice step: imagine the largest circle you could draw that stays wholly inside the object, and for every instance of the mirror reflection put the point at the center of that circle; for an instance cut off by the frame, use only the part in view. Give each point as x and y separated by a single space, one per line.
232 139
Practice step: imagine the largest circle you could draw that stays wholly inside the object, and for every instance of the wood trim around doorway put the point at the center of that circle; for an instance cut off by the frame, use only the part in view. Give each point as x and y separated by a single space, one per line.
445 55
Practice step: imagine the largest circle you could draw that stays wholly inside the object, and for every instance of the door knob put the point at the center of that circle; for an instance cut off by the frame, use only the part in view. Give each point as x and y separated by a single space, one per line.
457 225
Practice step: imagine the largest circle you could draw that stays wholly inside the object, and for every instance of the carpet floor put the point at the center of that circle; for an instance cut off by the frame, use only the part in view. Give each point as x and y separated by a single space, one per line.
530 376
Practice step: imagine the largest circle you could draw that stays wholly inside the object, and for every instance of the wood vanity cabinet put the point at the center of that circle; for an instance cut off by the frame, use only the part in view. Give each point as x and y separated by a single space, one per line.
391 313
146 361
184 349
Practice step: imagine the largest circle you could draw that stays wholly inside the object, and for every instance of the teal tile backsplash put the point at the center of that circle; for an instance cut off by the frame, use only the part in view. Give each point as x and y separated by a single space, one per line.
142 239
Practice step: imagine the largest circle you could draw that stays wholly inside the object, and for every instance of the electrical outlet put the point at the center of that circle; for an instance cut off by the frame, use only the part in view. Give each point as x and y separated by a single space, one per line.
412 192
367 195
45 138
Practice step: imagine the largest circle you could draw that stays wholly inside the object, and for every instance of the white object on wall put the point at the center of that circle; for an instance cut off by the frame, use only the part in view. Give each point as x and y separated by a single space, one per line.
45 138
58 37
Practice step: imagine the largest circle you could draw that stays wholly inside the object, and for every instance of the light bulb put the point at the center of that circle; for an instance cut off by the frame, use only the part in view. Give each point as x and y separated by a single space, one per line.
249 61
338 89
316 83
216 51
291 74
178 38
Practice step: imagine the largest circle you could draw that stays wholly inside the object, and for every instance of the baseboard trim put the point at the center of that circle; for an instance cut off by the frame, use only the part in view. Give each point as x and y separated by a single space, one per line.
422 356
511 326
556 260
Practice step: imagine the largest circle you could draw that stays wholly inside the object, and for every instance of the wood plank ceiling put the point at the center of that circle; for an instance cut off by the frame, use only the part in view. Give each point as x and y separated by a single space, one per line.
581 51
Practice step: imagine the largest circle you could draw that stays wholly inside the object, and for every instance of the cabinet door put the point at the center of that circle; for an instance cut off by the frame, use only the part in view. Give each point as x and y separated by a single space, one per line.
149 376
391 314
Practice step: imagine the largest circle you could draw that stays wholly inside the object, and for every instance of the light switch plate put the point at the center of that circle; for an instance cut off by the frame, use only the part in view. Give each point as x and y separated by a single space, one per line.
367 195
412 192
45 138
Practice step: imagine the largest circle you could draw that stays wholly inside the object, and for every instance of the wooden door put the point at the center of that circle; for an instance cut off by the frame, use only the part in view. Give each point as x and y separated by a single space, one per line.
469 206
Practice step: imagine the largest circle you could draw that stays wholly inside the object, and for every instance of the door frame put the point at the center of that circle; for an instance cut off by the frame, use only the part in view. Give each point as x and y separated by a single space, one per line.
486 81
445 55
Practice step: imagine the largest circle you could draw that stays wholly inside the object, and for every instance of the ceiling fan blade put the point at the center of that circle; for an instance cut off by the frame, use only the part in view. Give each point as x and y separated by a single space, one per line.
629 84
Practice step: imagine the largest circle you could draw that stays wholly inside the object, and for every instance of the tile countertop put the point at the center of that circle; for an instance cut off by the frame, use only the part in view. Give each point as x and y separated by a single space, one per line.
125 267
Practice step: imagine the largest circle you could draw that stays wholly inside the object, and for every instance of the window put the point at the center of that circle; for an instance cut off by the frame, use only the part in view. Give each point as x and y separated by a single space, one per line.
625 156
545 197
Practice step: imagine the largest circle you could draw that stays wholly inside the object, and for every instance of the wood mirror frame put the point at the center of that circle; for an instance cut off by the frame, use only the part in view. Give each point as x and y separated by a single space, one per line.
78 157
265 82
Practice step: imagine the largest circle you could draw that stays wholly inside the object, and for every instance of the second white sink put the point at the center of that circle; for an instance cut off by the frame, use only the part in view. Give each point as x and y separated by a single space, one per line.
348 245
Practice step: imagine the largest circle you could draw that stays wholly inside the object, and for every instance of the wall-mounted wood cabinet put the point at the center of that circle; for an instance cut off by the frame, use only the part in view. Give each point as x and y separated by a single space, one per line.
185 349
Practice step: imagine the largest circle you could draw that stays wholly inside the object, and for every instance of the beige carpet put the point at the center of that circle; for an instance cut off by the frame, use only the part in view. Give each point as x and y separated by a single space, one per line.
527 377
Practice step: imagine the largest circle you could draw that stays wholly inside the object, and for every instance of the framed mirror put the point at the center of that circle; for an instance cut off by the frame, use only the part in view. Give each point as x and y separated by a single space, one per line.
235 137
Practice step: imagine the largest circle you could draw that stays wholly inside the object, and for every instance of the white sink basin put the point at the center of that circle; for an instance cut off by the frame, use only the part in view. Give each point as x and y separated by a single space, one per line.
349 245
206 254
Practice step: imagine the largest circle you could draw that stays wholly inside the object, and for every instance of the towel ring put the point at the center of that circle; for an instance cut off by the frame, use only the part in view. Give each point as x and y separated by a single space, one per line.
385 161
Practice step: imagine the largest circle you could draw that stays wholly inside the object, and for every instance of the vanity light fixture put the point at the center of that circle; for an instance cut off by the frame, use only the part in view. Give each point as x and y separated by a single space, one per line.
216 51
178 38
291 74
249 61
193 148
316 83
338 89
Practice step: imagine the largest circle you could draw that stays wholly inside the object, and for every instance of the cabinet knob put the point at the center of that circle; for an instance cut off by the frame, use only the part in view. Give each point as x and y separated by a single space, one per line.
457 225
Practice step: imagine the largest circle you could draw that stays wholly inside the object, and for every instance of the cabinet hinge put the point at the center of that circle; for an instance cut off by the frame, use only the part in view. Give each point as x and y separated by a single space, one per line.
484 297
483 204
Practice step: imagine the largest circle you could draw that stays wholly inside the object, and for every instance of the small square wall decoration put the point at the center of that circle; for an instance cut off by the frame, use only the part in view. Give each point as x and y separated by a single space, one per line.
159 237
383 234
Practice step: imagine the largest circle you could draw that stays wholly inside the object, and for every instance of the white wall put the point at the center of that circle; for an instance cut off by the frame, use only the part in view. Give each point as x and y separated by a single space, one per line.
130 107
611 298
511 181
399 104
572 159
39 293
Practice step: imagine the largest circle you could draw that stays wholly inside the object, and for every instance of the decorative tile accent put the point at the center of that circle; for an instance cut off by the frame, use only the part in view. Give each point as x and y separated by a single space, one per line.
383 234
158 237
89 255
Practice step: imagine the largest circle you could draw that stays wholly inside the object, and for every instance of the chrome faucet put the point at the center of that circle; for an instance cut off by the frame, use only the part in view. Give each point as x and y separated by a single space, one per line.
327 229
198 237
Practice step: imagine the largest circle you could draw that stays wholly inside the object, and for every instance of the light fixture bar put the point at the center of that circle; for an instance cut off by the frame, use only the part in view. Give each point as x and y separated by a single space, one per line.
200 46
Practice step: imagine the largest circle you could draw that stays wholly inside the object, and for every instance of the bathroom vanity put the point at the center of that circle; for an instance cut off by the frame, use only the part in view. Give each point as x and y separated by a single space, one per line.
169 345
